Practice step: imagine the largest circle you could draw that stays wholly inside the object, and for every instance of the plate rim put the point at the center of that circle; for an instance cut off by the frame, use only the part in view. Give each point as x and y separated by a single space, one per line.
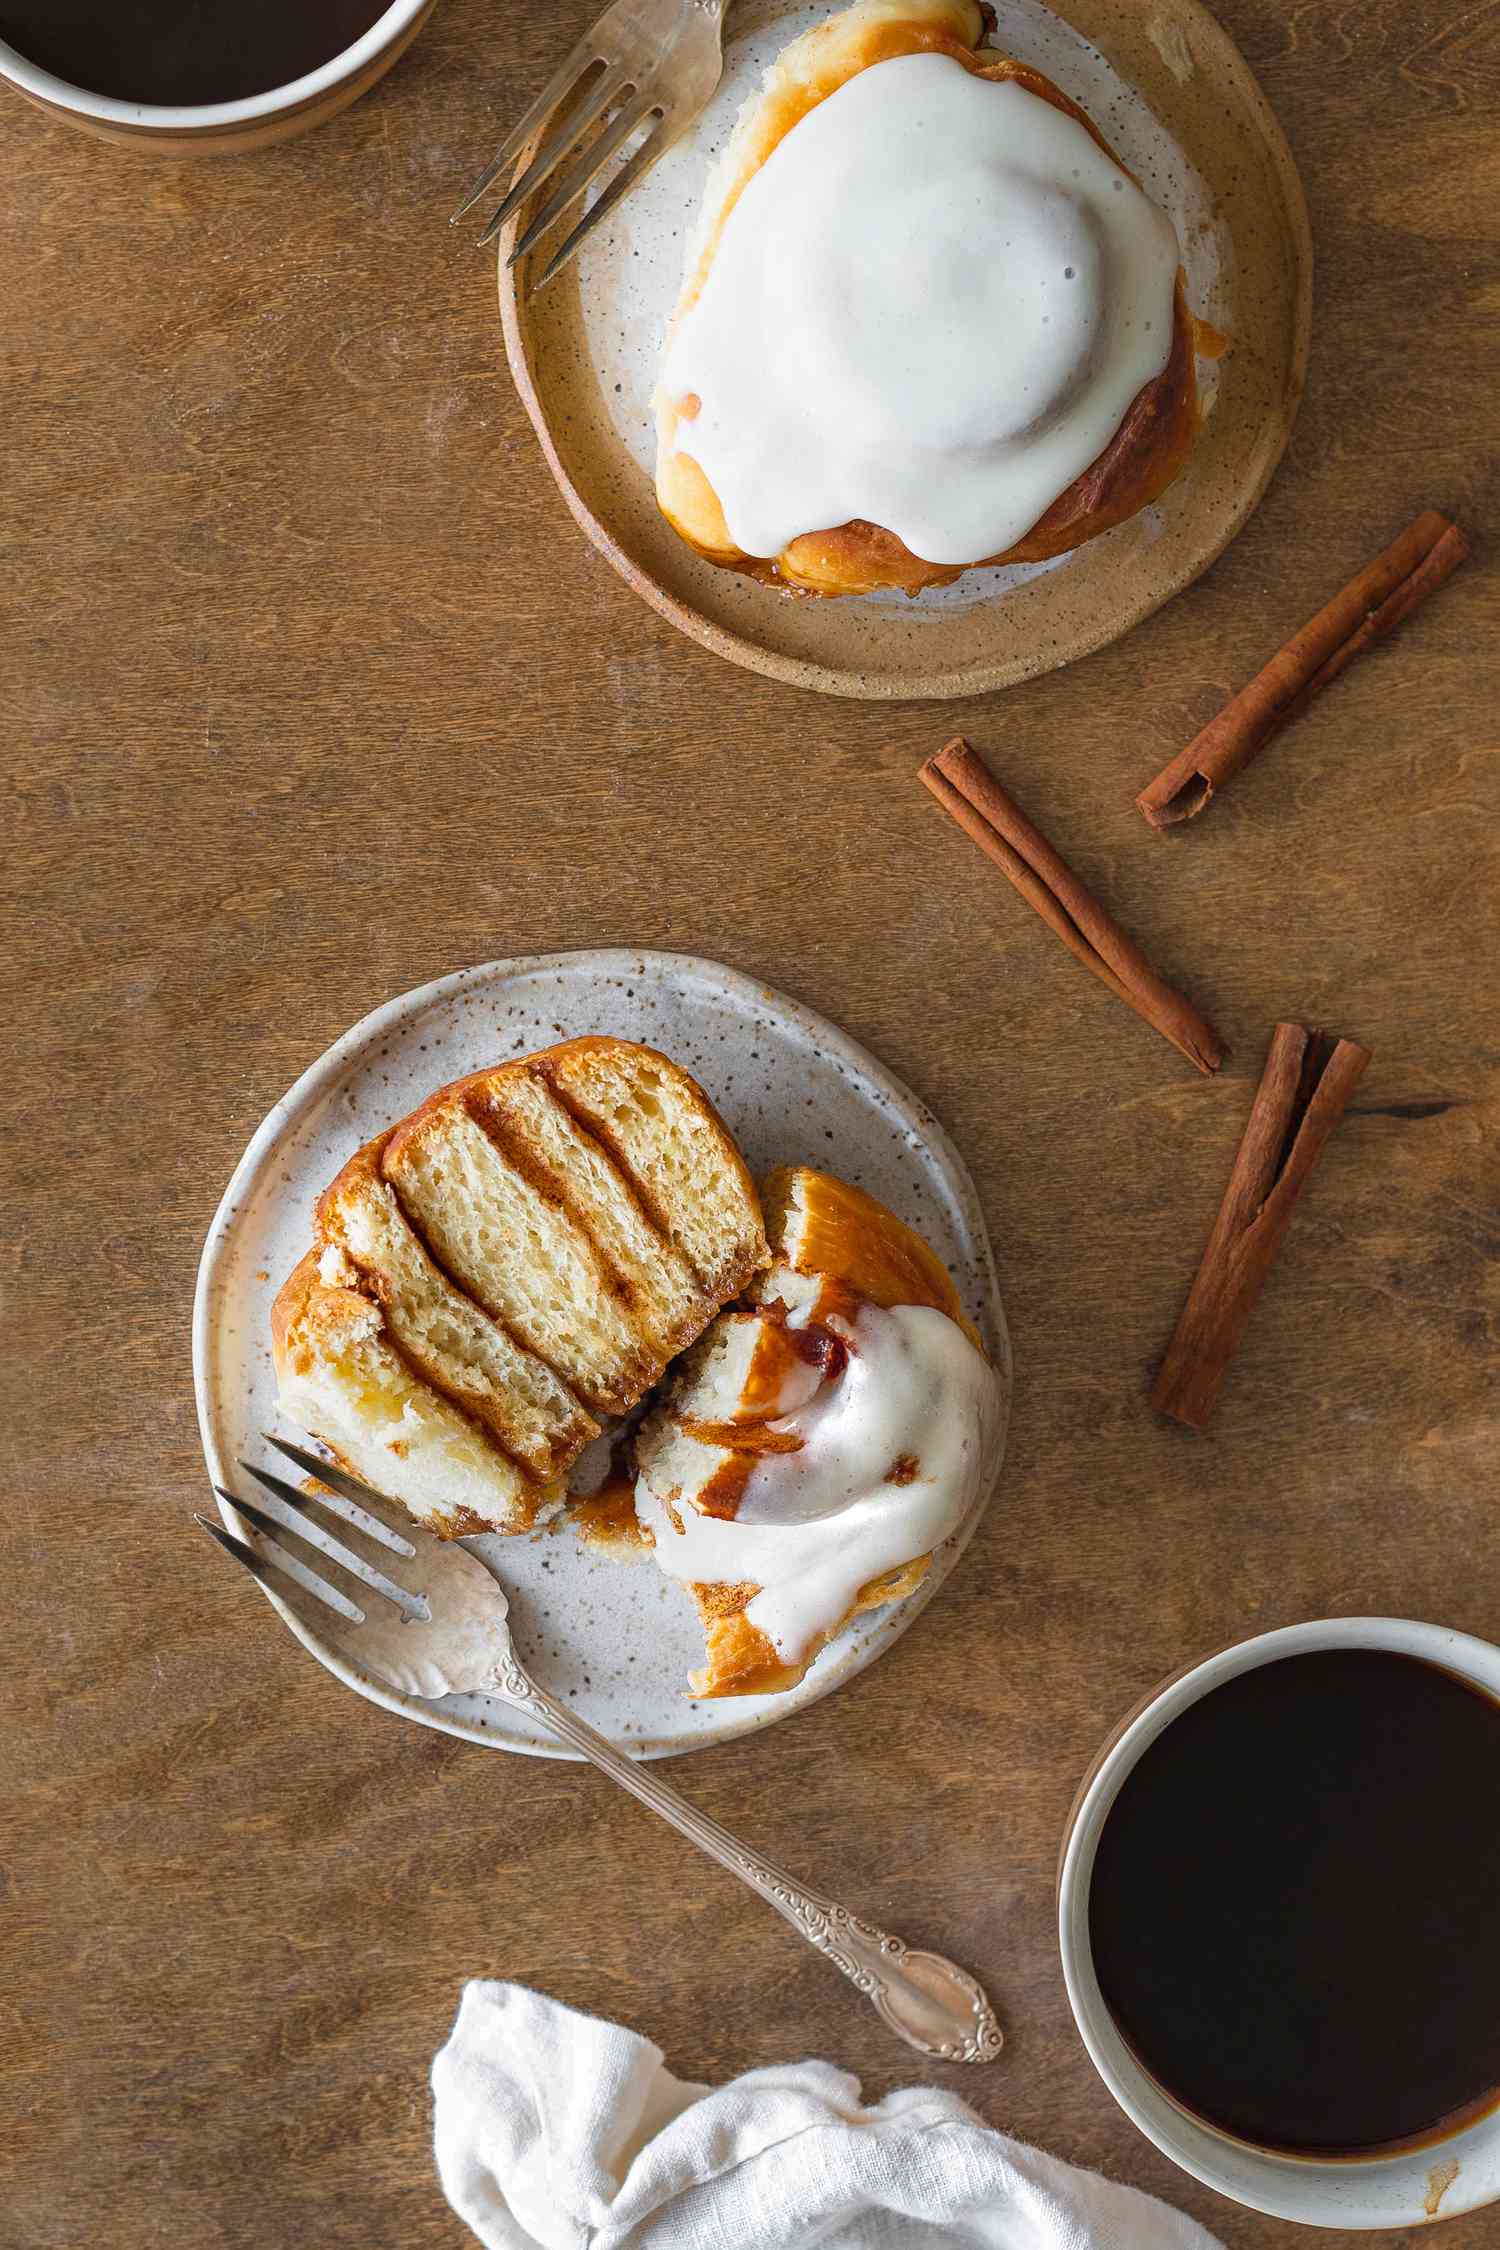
328 1066
980 677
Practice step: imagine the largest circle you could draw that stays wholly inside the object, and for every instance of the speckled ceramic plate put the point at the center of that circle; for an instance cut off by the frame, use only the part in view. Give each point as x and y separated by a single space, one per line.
1176 101
612 1636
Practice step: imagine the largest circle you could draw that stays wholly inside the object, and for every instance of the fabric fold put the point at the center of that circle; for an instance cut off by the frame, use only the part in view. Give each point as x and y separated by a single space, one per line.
559 2131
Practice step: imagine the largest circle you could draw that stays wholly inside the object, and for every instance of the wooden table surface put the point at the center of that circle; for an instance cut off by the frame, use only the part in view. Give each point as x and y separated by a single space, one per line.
310 692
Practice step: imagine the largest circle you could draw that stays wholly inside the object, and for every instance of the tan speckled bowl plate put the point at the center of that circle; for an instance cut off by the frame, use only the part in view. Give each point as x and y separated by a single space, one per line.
1174 97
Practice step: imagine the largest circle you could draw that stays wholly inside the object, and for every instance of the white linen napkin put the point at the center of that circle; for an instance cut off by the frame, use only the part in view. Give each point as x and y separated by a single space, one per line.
559 2130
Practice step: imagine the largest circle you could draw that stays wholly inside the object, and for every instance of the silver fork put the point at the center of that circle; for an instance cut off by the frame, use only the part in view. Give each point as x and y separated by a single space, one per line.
452 1637
656 60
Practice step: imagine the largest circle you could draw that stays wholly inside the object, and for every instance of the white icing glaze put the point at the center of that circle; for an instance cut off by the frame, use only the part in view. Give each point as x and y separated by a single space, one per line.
814 1526
931 308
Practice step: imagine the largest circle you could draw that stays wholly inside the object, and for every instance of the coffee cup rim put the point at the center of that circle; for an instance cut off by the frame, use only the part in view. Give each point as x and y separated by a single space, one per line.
176 117
1402 2188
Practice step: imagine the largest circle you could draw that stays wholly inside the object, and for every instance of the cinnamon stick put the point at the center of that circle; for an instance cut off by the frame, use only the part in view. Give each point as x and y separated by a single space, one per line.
1303 1092
1369 607
966 789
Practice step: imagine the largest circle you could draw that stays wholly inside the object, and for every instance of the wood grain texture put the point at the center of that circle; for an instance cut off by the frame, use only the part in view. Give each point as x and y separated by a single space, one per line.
311 691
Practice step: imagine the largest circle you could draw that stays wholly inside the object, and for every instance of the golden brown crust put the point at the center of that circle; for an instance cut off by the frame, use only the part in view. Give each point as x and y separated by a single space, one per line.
309 1314
308 1311
829 1226
362 1166
741 1661
1147 451
551 1063
291 1306
415 1123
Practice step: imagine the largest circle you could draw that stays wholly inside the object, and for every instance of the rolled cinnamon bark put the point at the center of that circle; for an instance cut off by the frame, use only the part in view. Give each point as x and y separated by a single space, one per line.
1304 1091
1369 607
969 792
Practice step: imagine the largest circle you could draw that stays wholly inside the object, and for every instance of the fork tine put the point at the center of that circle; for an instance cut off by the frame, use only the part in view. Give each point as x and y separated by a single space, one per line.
349 1489
653 146
264 1568
585 168
558 87
290 1565
324 1541
548 157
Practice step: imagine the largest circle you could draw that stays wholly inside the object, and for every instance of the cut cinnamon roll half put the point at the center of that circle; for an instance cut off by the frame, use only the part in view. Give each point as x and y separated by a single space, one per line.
511 1265
819 1443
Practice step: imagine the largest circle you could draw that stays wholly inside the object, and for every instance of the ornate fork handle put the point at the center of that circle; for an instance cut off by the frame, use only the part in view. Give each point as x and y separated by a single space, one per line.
926 2000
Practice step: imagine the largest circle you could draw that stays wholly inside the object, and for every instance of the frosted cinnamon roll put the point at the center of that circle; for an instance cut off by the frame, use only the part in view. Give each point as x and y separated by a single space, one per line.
819 1443
930 321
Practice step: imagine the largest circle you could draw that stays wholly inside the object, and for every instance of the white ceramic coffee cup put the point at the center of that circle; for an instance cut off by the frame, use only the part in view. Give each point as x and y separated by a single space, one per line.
222 128
1442 2179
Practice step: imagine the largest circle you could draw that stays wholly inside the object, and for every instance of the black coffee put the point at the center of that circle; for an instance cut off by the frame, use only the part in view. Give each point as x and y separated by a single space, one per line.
1295 1909
184 51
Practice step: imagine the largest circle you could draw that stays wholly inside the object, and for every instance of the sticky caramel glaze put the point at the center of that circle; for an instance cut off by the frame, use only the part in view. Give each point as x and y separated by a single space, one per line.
1147 451
607 1518
757 1438
780 1349
842 1234
722 1492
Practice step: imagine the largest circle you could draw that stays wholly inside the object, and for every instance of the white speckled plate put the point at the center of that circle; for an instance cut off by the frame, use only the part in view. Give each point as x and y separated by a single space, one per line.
612 1636
1168 90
